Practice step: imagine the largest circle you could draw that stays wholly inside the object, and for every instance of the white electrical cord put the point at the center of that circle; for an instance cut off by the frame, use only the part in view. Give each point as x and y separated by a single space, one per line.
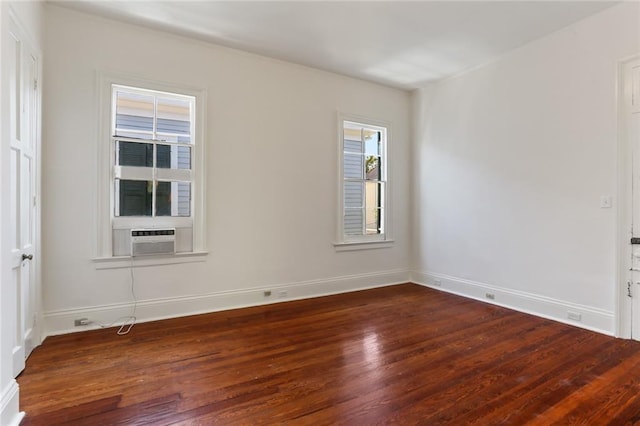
127 321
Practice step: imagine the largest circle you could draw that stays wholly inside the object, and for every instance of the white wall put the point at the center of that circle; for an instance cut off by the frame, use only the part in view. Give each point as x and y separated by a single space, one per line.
29 16
271 174
511 160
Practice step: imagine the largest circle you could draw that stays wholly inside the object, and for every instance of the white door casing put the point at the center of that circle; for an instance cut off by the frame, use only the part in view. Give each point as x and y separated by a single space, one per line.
23 132
631 132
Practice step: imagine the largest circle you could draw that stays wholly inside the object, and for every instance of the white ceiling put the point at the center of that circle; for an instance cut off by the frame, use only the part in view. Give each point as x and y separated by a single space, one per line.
401 44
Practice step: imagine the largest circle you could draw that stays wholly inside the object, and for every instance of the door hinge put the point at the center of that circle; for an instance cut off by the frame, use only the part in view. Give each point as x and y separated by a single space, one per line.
629 289
35 84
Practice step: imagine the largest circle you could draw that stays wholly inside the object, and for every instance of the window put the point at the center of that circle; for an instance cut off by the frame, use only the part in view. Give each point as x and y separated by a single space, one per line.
151 165
364 189
152 143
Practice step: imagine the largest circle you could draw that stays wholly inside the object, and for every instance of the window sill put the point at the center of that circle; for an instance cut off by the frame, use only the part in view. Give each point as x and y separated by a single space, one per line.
118 262
363 245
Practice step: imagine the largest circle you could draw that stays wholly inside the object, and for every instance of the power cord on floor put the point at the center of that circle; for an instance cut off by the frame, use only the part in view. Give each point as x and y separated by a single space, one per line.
127 321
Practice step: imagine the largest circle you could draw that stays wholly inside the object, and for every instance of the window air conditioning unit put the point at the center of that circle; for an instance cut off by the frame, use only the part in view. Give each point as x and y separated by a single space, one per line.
150 242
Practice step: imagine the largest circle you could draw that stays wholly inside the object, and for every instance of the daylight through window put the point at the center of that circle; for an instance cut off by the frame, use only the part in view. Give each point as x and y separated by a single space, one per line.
153 148
364 180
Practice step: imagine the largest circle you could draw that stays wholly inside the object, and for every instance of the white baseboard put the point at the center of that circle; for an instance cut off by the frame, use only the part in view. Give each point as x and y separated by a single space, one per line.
61 322
9 410
593 319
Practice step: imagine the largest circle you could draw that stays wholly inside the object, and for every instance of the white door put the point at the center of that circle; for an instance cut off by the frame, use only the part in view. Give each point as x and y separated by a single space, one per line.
23 128
632 131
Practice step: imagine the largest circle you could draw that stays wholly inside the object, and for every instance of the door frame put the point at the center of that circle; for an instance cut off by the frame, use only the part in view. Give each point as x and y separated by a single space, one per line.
623 303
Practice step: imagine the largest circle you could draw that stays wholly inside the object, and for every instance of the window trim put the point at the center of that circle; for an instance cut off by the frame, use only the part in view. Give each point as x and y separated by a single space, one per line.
363 242
105 158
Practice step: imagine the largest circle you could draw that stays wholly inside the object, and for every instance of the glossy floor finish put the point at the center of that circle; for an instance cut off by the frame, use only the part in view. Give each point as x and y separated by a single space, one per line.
403 354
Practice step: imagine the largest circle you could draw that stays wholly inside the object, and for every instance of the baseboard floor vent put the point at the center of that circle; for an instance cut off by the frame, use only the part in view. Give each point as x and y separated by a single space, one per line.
153 242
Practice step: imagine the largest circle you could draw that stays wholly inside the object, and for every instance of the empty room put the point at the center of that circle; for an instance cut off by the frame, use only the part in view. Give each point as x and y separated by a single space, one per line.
310 212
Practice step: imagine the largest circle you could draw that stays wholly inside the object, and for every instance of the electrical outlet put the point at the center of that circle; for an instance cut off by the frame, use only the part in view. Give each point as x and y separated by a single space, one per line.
574 316
282 293
267 293
490 296
437 283
81 321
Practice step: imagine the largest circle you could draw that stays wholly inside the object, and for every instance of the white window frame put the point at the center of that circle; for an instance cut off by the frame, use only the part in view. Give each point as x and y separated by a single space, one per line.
358 242
106 219
153 173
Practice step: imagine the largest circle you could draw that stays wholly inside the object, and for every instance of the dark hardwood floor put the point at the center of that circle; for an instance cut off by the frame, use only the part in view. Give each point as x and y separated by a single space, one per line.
403 354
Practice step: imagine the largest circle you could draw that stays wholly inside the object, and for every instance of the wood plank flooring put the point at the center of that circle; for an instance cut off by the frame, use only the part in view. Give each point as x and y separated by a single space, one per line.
403 355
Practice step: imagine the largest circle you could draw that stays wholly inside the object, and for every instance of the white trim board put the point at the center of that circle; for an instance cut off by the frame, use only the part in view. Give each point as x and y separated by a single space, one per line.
624 198
9 411
591 318
61 322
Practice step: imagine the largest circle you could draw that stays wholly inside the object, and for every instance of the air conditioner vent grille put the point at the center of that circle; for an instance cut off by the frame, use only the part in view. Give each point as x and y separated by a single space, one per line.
150 242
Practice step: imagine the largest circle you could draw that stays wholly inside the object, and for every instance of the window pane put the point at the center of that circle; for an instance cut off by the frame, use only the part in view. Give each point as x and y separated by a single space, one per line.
134 196
183 154
373 222
173 199
163 156
373 204
353 146
353 166
134 154
352 138
134 113
372 142
173 157
184 199
373 168
174 119
163 199
353 222
353 194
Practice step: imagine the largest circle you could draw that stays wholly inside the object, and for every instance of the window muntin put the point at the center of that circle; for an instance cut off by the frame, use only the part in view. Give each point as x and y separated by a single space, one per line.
363 181
152 144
